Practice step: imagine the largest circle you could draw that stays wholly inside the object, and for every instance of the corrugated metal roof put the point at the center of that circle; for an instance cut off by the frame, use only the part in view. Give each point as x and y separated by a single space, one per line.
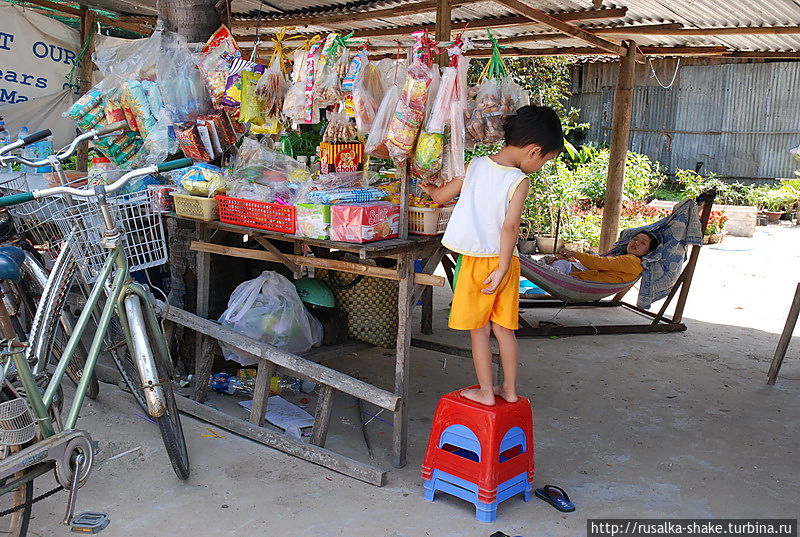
690 14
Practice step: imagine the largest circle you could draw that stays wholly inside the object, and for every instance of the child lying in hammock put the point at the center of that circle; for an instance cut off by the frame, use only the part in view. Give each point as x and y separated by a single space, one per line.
613 269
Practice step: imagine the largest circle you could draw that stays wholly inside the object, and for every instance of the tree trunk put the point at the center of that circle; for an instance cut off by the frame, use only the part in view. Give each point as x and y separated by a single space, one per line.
196 20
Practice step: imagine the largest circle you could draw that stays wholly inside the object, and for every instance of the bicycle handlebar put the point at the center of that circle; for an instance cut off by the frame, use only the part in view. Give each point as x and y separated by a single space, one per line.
36 136
90 135
15 199
174 165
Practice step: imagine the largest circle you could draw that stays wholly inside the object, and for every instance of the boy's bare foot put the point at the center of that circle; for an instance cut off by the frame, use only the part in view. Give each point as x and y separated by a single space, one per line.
508 396
478 396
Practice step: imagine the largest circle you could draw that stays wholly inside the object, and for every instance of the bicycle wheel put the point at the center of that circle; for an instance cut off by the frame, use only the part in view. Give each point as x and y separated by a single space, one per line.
169 423
52 323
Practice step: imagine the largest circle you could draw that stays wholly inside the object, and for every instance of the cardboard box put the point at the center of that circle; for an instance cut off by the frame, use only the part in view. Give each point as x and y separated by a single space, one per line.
340 158
365 222
314 220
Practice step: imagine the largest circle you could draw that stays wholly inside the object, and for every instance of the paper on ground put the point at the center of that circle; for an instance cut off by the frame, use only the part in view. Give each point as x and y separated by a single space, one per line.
284 414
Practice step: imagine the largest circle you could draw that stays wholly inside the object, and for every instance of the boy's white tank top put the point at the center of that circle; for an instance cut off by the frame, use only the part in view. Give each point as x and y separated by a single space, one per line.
477 220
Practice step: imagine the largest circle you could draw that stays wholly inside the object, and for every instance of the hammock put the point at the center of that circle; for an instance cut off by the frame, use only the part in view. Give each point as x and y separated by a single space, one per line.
662 266
568 288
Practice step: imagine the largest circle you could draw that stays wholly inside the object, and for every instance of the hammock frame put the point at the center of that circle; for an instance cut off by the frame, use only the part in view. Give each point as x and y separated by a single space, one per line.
655 322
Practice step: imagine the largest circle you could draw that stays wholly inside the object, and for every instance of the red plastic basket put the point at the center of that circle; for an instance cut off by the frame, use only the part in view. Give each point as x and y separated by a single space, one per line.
258 214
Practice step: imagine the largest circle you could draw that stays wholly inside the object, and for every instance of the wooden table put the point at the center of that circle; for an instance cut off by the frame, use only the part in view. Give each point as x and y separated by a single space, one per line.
411 289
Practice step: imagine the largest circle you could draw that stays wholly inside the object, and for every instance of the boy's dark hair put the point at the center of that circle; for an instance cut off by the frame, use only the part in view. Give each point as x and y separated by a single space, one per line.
654 242
535 125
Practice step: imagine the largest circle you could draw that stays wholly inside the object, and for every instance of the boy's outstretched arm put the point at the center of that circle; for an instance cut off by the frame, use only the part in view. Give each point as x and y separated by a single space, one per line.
443 194
508 237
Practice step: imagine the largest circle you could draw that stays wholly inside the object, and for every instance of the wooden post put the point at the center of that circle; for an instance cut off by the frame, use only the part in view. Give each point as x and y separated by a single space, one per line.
204 357
620 136
786 337
85 77
443 28
402 362
405 175
690 266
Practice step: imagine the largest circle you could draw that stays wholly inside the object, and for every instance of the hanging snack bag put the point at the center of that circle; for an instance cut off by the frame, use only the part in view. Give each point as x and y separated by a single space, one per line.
215 60
271 89
367 95
401 133
376 141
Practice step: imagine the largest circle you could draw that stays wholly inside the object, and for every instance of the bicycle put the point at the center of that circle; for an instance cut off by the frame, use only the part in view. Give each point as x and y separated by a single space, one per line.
64 449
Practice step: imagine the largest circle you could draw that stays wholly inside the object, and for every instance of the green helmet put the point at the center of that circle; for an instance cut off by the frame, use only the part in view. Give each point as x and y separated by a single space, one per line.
315 292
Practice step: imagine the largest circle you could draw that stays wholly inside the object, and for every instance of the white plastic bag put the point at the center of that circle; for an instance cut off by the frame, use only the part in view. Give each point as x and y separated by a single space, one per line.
268 309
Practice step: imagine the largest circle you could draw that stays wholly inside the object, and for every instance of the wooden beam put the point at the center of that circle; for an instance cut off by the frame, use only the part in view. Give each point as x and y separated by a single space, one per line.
651 51
561 26
619 30
472 25
767 55
620 136
443 27
320 373
740 30
344 266
282 442
323 19
69 10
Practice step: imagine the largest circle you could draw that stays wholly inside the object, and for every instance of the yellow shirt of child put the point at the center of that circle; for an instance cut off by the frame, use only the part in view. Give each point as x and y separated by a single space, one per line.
612 269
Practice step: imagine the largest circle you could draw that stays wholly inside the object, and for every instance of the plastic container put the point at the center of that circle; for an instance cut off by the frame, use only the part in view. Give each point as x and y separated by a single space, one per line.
160 198
258 214
428 221
195 207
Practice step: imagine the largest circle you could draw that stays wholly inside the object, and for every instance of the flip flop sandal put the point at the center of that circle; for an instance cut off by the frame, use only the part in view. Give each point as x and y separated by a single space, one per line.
557 497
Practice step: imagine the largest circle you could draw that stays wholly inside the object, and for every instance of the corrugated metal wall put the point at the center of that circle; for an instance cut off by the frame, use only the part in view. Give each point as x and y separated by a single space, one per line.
739 120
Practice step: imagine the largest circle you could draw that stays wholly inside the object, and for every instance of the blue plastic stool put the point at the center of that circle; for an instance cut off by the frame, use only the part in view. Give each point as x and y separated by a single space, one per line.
461 488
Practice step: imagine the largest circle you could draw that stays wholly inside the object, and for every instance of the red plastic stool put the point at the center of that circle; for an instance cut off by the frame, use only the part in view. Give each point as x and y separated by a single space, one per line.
484 445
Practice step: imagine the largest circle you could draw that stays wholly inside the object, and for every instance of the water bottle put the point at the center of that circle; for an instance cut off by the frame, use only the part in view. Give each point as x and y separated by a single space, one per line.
26 151
5 139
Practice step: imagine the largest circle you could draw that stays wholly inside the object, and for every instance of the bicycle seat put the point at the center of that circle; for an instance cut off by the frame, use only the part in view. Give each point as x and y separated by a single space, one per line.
11 259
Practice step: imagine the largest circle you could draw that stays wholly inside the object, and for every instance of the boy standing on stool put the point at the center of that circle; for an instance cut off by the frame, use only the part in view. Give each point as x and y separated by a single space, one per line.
483 229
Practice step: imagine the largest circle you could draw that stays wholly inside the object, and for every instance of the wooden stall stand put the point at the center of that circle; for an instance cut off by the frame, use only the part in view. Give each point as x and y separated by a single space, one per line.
411 288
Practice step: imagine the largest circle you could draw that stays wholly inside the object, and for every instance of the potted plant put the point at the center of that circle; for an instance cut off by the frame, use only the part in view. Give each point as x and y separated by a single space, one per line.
552 191
715 230
775 202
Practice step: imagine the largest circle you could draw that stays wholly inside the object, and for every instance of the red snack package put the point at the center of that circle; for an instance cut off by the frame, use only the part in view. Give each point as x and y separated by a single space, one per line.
190 142
365 222
227 137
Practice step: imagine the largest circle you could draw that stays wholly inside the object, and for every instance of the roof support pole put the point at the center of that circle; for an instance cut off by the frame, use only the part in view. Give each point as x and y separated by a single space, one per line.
443 26
85 78
620 136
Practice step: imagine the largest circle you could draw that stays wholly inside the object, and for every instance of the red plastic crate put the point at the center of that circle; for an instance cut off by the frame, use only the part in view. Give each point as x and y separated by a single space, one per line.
258 214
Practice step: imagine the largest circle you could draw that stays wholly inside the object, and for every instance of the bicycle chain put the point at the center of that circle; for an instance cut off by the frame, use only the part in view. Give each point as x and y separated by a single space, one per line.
33 501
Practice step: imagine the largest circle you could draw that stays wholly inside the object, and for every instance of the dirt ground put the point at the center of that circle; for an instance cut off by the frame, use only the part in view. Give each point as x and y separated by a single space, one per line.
663 425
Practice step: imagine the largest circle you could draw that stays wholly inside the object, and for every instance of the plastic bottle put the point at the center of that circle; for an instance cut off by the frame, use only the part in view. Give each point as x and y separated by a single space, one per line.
5 139
38 151
97 171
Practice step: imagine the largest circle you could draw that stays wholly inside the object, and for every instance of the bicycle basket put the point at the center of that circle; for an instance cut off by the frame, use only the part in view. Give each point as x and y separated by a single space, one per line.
144 242
16 422
36 220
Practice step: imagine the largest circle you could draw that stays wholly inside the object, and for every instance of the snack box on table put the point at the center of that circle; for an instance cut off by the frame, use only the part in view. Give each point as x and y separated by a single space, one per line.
341 157
365 222
314 220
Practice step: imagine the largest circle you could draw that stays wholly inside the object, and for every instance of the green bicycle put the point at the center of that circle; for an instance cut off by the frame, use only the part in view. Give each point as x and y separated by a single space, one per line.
101 234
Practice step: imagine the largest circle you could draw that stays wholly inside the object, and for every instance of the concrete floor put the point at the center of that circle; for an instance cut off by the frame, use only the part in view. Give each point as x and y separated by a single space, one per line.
663 425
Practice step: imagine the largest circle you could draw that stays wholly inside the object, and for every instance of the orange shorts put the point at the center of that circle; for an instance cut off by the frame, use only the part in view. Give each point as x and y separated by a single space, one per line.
471 308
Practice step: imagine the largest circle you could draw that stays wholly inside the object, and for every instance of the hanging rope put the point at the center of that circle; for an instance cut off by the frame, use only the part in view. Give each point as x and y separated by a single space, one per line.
280 47
495 67
674 75
71 76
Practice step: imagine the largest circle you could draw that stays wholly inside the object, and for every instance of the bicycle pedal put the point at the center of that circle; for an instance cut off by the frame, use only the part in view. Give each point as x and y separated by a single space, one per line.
89 522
